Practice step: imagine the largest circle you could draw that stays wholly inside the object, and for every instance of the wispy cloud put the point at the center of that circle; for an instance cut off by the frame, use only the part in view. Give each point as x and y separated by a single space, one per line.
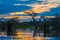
39 8
58 1
23 0
18 4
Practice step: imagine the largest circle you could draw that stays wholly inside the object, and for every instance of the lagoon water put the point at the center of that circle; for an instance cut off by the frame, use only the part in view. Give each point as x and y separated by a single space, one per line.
38 38
25 36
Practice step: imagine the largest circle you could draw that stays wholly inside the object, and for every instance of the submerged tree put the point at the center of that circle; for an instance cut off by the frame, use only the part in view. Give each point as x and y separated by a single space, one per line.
33 15
10 24
56 24
2 24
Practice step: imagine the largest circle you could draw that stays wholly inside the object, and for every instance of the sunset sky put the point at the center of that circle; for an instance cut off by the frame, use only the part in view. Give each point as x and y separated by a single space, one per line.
12 7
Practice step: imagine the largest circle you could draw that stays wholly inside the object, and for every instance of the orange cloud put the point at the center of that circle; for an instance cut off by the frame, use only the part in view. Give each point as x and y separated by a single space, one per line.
25 17
38 8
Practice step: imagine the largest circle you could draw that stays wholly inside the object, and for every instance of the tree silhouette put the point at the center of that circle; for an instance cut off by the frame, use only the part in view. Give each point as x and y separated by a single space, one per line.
33 15
56 24
11 23
2 24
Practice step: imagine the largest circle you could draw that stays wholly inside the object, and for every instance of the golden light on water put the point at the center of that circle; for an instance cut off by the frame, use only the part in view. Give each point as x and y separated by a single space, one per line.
27 36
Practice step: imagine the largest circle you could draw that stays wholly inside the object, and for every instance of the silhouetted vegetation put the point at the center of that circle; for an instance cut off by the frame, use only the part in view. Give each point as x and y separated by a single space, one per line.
56 24
49 26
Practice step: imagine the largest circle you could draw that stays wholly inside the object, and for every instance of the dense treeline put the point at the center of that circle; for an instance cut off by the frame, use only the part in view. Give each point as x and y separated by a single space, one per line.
50 26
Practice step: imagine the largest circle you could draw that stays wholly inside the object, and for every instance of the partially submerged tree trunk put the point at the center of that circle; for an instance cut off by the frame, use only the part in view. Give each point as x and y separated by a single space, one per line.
33 15
10 26
9 29
36 29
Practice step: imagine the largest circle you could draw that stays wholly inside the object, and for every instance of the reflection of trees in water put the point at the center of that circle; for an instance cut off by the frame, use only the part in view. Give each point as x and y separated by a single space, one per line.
49 26
10 24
